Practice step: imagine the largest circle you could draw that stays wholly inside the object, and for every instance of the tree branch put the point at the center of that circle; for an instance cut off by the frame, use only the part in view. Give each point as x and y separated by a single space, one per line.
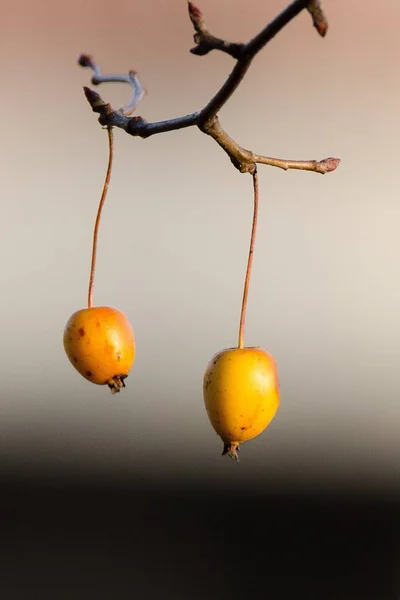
206 119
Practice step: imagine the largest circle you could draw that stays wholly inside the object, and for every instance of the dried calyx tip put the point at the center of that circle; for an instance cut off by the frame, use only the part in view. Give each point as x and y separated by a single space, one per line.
116 383
232 450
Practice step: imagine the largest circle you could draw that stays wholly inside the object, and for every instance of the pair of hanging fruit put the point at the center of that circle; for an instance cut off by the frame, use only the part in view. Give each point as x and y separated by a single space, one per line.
99 340
240 385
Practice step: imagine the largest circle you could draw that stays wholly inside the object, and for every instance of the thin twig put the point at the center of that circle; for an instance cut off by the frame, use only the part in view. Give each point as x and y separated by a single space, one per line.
131 78
323 166
205 41
248 53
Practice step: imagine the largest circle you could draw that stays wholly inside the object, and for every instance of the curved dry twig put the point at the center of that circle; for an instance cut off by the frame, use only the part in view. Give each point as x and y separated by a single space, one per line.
131 78
206 119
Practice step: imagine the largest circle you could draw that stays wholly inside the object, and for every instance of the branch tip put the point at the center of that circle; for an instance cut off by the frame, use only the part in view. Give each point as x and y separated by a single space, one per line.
329 164
96 102
319 19
196 17
91 96
85 61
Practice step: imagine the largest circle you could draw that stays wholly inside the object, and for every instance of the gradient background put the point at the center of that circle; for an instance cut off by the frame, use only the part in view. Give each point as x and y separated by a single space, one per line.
173 247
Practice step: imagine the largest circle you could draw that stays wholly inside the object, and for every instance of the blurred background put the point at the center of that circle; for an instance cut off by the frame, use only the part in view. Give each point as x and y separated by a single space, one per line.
172 254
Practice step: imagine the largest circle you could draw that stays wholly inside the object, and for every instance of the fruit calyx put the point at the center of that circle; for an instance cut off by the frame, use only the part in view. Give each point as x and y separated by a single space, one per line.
116 383
232 450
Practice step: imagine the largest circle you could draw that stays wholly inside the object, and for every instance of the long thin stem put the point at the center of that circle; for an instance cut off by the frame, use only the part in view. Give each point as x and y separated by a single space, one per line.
249 261
98 216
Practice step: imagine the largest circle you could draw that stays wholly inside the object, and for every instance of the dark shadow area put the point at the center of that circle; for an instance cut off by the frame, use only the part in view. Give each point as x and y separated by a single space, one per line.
70 541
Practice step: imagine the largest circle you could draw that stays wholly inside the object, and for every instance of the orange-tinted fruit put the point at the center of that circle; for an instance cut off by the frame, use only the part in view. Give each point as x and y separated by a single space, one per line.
241 394
100 344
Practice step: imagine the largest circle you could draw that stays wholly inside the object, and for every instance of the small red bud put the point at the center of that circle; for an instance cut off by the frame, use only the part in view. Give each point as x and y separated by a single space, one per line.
85 60
196 16
330 164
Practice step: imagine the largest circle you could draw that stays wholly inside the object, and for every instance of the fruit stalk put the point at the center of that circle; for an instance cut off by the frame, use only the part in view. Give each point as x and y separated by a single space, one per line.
249 261
98 216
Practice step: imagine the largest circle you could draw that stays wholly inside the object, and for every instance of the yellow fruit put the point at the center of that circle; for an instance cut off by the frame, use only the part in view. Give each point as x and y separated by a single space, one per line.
241 394
100 344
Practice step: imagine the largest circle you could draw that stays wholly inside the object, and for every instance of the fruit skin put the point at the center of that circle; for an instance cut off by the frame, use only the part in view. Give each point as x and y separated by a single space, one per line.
241 394
100 344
